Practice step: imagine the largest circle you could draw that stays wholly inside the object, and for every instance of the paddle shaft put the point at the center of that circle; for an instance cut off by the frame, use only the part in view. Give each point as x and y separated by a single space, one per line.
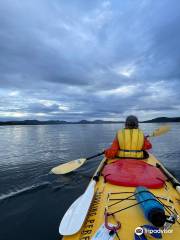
99 170
151 135
97 155
72 165
170 177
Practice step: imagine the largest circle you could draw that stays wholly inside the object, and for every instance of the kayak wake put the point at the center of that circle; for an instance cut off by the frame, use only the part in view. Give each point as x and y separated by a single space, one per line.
32 188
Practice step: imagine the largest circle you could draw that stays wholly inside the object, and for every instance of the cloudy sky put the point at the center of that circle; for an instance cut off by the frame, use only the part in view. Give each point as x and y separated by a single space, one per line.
79 59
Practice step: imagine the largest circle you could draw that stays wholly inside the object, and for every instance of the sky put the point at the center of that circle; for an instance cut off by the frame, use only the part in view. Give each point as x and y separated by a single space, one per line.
97 59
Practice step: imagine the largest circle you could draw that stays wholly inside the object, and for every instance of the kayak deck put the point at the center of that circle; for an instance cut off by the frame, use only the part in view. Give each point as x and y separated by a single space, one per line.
106 194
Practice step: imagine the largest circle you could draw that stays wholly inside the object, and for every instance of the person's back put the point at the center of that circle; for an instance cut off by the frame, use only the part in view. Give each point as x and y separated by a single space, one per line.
129 142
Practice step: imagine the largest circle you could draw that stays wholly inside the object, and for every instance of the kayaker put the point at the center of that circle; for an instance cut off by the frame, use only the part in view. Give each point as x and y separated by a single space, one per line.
129 142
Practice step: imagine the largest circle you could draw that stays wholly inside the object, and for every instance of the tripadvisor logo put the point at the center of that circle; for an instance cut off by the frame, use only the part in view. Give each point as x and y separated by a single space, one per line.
139 231
142 230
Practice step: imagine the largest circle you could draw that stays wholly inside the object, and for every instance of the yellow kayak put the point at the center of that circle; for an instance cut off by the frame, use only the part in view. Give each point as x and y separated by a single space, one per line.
117 207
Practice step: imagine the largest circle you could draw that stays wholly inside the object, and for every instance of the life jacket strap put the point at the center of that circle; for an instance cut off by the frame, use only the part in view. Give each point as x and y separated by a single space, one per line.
136 151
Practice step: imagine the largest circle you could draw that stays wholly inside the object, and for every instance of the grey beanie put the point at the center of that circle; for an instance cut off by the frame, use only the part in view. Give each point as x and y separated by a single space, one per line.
131 122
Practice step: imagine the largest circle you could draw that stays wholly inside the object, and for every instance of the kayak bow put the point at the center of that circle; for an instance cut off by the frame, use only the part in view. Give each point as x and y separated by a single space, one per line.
122 208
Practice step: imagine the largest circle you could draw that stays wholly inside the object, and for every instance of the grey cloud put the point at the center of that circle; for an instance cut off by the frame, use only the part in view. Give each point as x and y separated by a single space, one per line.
70 53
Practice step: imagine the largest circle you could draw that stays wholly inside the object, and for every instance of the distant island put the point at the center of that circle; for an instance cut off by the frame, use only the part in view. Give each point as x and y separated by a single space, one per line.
37 122
50 122
163 120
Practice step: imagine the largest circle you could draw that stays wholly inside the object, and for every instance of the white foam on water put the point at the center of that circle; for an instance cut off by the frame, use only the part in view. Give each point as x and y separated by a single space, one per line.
19 191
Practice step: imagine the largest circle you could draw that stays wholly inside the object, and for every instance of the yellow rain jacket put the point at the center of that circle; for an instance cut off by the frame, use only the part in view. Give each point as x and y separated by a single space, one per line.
131 142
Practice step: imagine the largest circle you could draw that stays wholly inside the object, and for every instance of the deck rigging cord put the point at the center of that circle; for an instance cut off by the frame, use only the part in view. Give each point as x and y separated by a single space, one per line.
167 207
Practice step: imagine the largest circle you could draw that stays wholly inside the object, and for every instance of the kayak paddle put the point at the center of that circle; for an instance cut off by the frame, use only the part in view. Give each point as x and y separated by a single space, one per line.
74 164
74 217
159 131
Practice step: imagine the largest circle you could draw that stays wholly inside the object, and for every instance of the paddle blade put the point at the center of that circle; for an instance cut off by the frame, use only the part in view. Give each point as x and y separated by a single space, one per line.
178 189
76 214
69 166
161 130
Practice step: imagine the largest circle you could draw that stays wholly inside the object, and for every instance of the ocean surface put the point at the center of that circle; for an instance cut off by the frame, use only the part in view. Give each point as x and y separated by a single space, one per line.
32 201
